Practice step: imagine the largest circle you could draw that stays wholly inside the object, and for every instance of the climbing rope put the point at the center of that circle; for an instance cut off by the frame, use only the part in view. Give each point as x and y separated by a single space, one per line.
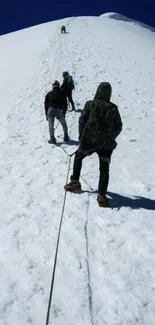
59 234
58 240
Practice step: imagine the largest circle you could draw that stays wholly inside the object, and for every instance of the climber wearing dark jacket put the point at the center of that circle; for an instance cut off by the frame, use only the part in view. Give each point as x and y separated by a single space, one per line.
67 88
63 29
55 102
99 125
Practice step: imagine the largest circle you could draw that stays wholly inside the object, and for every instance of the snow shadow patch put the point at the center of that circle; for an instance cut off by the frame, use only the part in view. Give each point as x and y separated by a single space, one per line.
79 110
136 202
119 201
73 143
68 143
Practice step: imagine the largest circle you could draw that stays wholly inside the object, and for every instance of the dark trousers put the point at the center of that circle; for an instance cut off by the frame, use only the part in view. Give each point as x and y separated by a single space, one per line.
63 30
104 161
64 110
69 96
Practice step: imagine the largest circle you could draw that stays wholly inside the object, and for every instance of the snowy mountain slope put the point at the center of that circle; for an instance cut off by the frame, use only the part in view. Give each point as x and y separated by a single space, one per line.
106 267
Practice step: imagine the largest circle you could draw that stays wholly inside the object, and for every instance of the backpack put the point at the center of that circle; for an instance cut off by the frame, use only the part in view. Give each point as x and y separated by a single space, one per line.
71 83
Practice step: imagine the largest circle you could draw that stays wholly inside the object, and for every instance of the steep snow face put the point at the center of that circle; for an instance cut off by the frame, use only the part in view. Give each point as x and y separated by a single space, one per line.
106 270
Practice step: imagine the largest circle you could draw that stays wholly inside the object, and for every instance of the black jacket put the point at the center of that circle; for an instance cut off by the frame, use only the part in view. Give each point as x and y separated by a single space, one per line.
55 99
100 122
67 86
64 87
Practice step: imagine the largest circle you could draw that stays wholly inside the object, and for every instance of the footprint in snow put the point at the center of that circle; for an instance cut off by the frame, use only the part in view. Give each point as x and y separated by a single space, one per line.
141 186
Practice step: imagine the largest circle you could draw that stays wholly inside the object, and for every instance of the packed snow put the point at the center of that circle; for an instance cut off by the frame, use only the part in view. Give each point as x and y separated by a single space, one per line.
106 260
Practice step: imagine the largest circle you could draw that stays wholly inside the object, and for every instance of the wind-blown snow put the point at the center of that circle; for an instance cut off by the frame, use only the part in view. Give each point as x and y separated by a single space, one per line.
120 17
108 14
106 262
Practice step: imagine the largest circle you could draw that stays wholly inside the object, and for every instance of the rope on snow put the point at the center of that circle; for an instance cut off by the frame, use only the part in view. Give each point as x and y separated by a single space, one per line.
58 240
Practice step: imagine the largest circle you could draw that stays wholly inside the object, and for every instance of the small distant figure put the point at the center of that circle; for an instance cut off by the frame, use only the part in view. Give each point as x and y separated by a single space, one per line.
63 29
55 101
99 125
67 88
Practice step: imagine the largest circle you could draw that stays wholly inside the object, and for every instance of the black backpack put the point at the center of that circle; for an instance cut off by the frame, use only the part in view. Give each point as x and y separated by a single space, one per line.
71 83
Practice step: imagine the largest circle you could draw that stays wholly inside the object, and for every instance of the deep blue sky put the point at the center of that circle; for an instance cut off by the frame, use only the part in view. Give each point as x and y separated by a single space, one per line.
15 14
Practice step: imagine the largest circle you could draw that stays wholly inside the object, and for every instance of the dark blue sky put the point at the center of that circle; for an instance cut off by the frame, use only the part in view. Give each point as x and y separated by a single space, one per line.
15 14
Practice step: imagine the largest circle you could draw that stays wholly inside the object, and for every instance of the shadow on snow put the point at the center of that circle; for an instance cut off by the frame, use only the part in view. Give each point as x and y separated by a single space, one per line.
136 202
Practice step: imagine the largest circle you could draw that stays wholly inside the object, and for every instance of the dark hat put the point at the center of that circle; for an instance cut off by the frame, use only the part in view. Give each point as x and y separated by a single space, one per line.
56 83
65 73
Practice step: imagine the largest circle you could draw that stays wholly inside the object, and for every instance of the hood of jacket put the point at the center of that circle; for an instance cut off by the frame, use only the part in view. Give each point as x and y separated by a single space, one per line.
103 92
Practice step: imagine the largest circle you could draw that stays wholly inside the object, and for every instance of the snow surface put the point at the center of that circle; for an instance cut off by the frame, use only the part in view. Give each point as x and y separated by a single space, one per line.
106 261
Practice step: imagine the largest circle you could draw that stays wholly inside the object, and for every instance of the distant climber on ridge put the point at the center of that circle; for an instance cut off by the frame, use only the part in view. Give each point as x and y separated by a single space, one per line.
63 29
99 126
67 88
55 101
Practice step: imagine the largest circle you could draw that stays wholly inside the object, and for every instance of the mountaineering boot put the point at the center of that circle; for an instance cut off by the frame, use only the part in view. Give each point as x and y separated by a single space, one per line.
103 201
73 187
66 138
52 140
